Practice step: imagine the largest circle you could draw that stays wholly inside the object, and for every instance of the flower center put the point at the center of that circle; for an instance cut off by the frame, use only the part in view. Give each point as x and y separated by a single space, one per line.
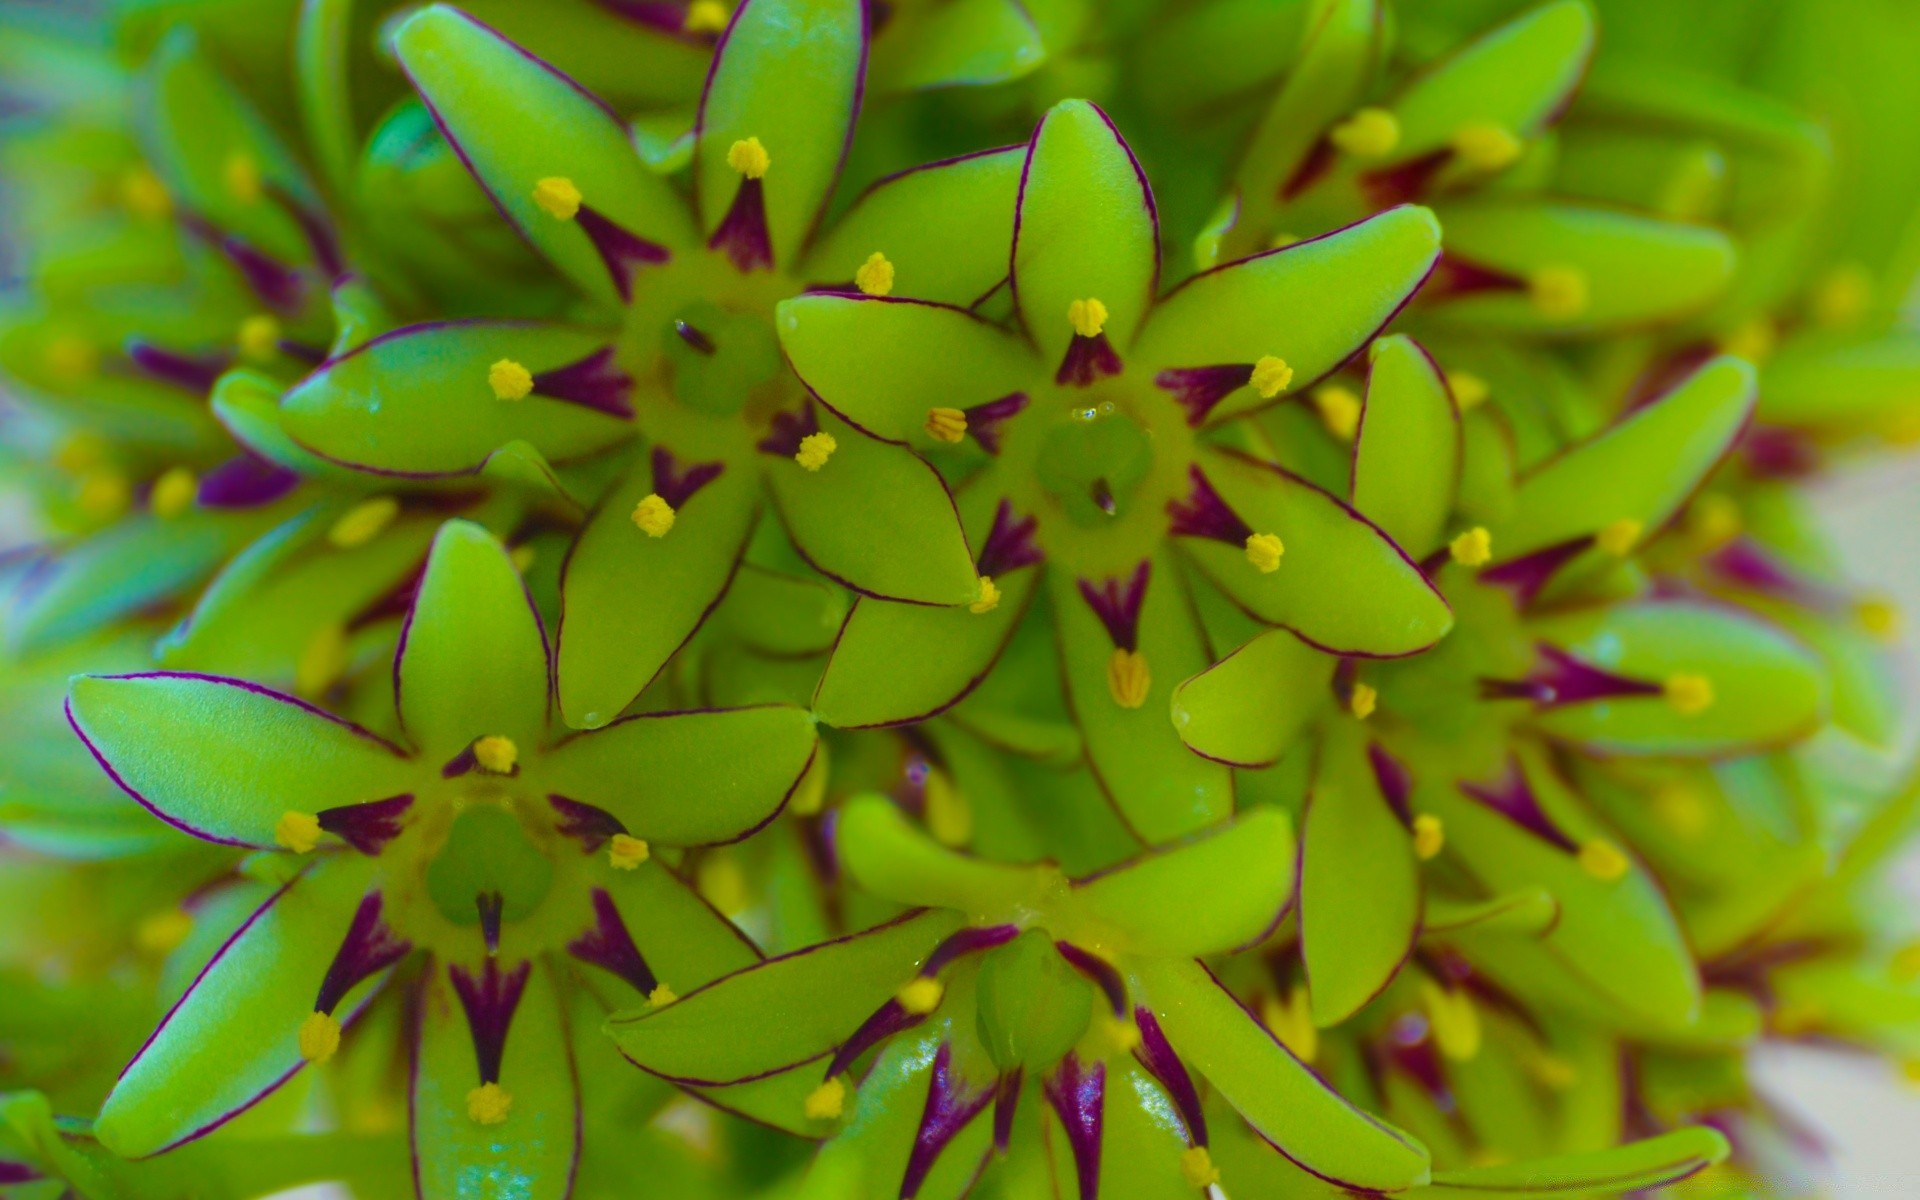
487 871
1094 460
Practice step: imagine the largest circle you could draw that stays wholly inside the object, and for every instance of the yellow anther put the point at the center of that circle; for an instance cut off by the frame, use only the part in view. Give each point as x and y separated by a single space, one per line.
144 195
1469 390
1264 551
626 852
1688 694
1558 292
173 492
1291 1020
1280 241
1910 1072
660 996
946 425
875 276
1878 616
1454 1020
653 515
1485 146
1843 296
815 449
242 177
704 16
749 157
1339 410
522 557
811 794
80 452
1553 1071
920 995
1128 678
949 817
488 1104
363 522
557 197
161 932
70 358
1271 376
1368 133
104 493
1902 428
724 884
1088 317
322 661
1796 1017
1682 809
1754 340
1714 520
1472 548
1618 538
1603 860
259 338
509 380
1429 836
989 597
1905 964
1196 1167
1363 701
319 1037
297 831
496 755
1121 1035
826 1102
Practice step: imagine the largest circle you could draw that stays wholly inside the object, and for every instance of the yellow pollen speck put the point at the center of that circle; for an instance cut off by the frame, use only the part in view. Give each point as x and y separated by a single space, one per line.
989 597
724 884
161 932
297 831
1196 1167
1618 538
946 425
660 996
509 380
1714 520
1843 296
1905 965
1339 411
522 557
875 276
144 195
811 794
1794 1018
1264 551
70 358
1558 292
949 816
1902 428
826 1102
1280 241
626 852
1910 1072
1603 860
319 1037
704 16
1121 1035
173 492
488 1104
1553 1071
1271 376
1368 133
1454 1020
1291 1020
749 157
363 522
1363 701
1485 146
1469 390
1682 809
1429 836
79 453
920 995
242 177
1689 694
653 515
1878 616
496 755
557 197
259 338
104 493
1128 679
1753 341
1088 317
815 449
1472 548
321 663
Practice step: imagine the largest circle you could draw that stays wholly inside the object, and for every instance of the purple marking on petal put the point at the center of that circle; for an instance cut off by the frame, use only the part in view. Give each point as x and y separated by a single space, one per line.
1205 515
1312 168
1199 389
184 371
965 942
742 234
1078 1093
1087 361
677 487
1513 798
1419 1059
595 382
492 906
592 827
1454 276
692 336
489 1004
245 481
890 1018
1006 1099
1100 971
1394 780
369 948
609 946
14 1172
1156 1054
785 433
950 1108
620 248
320 239
1773 453
1119 611
366 827
1529 574
983 420
1009 544
276 283
1403 182
1562 679
1746 563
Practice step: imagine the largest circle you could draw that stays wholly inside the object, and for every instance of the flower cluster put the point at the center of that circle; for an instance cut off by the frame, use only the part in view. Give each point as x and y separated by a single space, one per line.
826 598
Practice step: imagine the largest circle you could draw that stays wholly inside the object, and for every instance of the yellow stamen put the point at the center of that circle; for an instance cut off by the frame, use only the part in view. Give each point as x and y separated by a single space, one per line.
946 425
989 597
1291 1020
509 380
1280 241
1485 146
811 795
1363 701
1910 1072
1196 1167
321 663
1368 133
557 197
1878 616
949 816
1429 836
1472 548
104 493
363 522
242 177
1753 341
1121 1035
70 358
704 16
79 453
1682 809
173 492
1618 538
1469 390
1088 317
1454 1020
1714 520
660 996
496 755
161 932
1689 694
920 995
1264 551
1339 411
1843 296
488 1104
1553 1071
653 515
826 1102
1905 965
875 276
1796 1017
626 852
1271 376
1558 292
1603 860
749 157
297 831
522 557
259 338
1128 678
319 1037
815 449
724 884
144 195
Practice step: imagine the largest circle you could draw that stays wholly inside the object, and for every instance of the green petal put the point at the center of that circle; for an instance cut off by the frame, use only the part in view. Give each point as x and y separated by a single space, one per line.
1406 453
1530 910
1249 708
630 600
1149 905
1142 1138
966 42
787 1010
1637 1166
1086 229
686 779
1278 1095
624 60
685 941
1844 389
1517 76
248 404
893 858
472 661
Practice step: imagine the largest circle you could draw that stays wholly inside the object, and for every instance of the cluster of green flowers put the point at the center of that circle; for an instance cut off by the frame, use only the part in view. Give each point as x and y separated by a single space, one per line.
731 598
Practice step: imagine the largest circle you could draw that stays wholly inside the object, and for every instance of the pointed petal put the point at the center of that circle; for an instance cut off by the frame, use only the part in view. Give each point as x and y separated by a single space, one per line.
686 942
1641 1166
863 685
1249 708
1144 1137
893 858
1406 452
969 42
1244 869
1518 76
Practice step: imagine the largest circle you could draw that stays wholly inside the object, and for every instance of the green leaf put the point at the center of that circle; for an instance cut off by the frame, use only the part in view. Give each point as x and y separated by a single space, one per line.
248 404
966 42
1150 905
1406 452
1518 76
892 858
1250 708
686 779
1634 1167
